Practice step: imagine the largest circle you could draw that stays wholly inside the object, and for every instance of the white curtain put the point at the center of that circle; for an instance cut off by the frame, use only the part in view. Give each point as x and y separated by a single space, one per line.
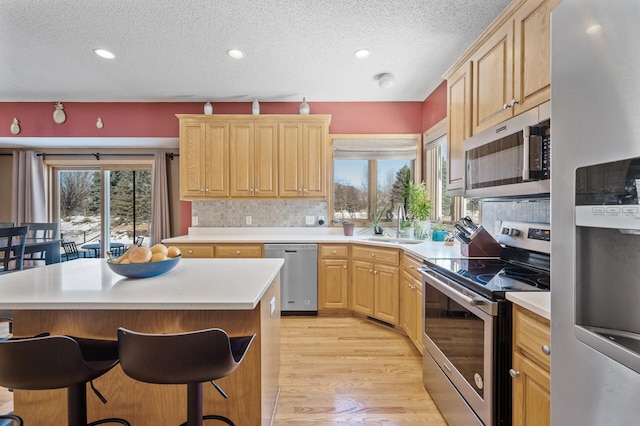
160 219
28 203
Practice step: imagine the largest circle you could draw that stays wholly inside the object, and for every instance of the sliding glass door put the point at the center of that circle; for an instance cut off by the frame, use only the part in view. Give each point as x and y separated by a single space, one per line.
88 195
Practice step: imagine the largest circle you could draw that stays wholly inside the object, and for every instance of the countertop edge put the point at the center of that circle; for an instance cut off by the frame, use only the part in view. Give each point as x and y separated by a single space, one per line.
538 302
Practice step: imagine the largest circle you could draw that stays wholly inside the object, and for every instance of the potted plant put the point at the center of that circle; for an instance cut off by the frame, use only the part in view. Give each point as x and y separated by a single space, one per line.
347 228
378 216
419 208
439 232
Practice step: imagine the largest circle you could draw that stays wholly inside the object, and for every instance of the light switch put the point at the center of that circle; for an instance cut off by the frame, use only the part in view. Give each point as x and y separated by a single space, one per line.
194 220
310 220
248 220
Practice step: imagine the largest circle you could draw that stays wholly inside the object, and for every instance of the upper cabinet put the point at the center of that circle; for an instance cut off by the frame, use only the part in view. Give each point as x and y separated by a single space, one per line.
244 156
204 158
253 159
505 72
303 159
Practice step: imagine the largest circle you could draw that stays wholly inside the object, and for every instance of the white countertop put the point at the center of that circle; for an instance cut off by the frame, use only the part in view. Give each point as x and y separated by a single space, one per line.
537 302
212 284
425 249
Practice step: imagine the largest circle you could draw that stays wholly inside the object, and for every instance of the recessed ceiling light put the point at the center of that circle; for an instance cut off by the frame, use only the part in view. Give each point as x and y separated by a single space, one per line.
594 29
362 54
235 53
385 80
104 53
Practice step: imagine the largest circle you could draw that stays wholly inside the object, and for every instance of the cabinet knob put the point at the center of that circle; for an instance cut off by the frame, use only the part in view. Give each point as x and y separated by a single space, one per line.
410 266
201 189
256 190
375 272
371 271
505 106
373 255
237 251
514 373
334 252
190 252
344 266
546 350
513 102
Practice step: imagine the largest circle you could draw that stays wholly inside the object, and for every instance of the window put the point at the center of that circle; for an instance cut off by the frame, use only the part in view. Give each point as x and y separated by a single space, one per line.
445 208
82 201
365 170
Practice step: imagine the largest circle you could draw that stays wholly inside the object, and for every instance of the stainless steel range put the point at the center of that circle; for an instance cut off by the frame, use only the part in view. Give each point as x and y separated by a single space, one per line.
467 324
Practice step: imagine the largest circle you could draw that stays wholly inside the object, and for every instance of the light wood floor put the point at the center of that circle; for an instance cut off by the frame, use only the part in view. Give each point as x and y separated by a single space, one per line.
344 371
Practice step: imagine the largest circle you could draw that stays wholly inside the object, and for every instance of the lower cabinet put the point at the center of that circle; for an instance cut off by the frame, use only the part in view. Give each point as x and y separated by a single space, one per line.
411 300
333 276
376 283
531 368
205 250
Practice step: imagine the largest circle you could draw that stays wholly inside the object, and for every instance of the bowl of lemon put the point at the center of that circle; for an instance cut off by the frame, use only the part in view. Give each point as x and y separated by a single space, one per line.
144 262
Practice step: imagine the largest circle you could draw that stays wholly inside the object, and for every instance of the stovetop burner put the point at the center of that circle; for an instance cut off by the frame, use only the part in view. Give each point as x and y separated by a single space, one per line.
492 277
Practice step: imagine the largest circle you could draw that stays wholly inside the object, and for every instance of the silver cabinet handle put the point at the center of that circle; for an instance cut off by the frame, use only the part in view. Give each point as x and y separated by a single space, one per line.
514 373
546 350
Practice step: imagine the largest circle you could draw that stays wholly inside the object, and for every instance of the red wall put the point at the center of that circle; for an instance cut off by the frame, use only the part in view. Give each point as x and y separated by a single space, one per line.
137 119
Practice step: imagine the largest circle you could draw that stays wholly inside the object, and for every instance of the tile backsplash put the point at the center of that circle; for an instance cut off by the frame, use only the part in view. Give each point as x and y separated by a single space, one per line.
526 210
264 213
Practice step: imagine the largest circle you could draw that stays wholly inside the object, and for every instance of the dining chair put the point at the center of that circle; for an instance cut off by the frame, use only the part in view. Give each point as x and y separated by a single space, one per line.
71 251
7 224
46 230
12 241
139 241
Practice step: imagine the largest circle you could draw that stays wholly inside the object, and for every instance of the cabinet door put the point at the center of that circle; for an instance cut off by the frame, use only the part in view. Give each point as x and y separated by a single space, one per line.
362 287
493 79
192 159
289 154
532 54
408 306
531 393
314 160
266 160
387 293
458 124
242 160
195 250
333 277
238 250
217 160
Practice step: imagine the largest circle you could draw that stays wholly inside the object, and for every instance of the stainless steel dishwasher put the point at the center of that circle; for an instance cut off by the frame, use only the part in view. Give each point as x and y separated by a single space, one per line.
298 277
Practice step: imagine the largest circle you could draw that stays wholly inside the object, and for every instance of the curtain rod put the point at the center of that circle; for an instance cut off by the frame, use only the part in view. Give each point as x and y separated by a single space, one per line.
98 155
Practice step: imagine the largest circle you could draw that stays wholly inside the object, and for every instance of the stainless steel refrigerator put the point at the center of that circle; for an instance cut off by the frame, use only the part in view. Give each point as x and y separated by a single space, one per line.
595 213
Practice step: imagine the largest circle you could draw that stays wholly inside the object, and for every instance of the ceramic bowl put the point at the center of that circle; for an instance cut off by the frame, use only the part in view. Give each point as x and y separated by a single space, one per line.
144 270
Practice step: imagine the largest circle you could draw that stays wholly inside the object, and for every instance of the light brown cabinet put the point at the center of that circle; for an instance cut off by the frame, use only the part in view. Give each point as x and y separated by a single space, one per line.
458 125
333 276
253 159
411 301
531 368
241 156
376 283
303 159
204 159
512 69
195 250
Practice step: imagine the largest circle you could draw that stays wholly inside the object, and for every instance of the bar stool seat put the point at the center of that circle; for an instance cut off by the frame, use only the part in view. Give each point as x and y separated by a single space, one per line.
184 358
56 362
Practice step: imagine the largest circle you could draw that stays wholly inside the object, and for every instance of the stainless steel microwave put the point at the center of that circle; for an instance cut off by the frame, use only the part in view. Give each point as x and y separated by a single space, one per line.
512 158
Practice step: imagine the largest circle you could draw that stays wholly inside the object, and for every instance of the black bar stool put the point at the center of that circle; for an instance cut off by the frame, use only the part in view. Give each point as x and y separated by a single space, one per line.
184 358
55 362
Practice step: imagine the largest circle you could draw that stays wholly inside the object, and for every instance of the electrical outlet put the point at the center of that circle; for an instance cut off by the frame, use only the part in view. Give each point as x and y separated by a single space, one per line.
247 220
321 221
194 220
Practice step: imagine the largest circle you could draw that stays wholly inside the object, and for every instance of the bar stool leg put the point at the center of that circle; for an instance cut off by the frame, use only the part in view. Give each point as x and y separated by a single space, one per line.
194 404
77 404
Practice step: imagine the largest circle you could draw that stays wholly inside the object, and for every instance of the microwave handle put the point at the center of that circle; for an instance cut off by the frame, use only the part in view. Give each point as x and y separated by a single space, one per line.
526 149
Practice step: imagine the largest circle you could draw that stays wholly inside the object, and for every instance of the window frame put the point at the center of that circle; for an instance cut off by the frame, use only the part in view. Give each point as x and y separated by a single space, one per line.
372 177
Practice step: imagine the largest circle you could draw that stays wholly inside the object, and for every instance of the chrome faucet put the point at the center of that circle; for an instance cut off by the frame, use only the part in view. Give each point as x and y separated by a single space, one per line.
401 217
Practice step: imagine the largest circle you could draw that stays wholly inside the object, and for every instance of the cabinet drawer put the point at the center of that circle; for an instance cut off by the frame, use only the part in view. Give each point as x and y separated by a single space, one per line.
377 254
195 250
532 335
334 251
238 250
412 265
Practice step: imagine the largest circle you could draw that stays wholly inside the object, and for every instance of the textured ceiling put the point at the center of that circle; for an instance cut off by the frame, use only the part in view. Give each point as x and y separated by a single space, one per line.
175 50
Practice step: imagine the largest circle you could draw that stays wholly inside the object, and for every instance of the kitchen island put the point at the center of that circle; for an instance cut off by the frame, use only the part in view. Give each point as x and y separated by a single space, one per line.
85 298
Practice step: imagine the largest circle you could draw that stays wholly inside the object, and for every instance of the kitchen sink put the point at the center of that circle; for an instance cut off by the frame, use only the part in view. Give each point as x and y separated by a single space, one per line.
392 240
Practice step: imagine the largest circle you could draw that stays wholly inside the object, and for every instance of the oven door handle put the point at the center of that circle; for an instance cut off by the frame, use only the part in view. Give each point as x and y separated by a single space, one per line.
450 291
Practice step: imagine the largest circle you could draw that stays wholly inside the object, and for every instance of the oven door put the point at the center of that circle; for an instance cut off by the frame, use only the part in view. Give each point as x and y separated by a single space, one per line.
459 330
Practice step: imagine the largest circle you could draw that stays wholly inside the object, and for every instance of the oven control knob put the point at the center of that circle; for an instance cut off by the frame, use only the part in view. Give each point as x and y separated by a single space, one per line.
505 231
513 232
